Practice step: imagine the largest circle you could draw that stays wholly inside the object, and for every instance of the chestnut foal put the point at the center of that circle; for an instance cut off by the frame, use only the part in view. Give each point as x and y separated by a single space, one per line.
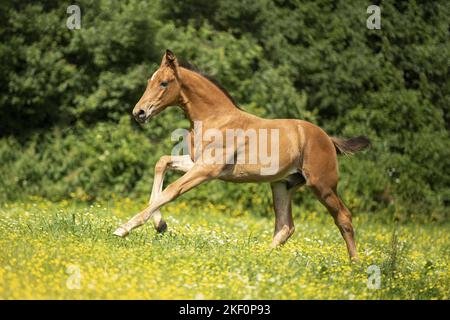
302 152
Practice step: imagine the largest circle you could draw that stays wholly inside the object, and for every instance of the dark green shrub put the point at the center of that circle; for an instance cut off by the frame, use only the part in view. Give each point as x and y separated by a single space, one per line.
66 94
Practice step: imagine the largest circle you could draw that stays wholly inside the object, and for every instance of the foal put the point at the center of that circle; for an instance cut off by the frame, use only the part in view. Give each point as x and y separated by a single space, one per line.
302 153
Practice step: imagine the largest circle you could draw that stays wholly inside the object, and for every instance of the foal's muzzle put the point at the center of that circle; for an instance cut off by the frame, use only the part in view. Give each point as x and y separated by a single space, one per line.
145 113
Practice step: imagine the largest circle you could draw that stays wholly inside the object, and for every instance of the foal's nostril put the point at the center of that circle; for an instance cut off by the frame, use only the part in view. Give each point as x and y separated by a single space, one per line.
140 115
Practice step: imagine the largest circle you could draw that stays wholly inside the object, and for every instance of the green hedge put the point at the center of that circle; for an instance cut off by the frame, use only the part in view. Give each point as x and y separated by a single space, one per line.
66 95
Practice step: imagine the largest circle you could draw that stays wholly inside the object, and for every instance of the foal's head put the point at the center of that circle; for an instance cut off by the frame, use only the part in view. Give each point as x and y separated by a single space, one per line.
163 89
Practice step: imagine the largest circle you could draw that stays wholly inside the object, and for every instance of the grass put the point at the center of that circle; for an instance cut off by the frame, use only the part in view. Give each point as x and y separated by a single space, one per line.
66 251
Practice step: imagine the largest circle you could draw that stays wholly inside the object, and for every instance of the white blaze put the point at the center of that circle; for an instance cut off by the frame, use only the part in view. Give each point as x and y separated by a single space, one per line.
153 76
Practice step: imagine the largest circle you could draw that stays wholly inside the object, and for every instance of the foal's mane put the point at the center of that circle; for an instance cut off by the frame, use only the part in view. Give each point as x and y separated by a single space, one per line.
189 66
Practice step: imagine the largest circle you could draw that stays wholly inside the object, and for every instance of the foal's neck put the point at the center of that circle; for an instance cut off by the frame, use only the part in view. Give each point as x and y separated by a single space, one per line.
202 100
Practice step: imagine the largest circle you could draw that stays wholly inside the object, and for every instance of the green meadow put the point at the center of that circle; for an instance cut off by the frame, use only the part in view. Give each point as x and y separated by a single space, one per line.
66 250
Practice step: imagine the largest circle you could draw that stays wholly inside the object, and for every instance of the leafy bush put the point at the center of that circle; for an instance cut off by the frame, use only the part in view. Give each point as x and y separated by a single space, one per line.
65 93
81 162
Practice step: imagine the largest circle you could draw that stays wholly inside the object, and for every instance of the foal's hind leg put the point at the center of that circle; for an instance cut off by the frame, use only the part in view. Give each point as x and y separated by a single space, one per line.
320 168
284 225
341 215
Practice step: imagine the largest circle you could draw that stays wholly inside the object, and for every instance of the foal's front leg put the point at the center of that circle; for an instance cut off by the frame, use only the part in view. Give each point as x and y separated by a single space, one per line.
165 163
189 180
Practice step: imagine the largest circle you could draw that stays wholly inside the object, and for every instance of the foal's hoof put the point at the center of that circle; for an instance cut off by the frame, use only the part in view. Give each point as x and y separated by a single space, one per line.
121 232
162 227
354 260
276 245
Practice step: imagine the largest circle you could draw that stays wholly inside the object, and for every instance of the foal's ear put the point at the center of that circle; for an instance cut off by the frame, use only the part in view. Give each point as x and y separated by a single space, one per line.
170 56
170 60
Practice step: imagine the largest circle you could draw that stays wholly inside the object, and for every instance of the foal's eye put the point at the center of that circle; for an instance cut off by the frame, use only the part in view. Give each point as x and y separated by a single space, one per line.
164 84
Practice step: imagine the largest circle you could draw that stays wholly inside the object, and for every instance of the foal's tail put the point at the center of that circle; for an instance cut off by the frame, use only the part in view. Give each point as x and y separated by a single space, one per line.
350 146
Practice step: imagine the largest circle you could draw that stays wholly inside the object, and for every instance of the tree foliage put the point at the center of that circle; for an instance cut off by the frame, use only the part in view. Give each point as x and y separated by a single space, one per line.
66 95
